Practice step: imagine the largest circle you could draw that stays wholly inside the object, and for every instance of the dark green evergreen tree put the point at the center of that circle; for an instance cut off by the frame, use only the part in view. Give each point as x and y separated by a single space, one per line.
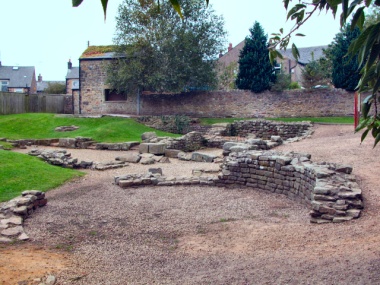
255 70
345 72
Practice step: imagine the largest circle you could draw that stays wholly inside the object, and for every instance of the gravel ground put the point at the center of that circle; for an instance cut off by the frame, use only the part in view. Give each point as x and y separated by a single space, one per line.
210 235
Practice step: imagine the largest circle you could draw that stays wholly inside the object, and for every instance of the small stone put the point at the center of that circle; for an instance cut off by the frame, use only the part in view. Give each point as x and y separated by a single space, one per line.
155 170
342 219
23 201
147 161
20 210
31 192
23 237
5 239
344 169
13 231
319 221
50 280
353 213
126 183
13 220
197 172
165 160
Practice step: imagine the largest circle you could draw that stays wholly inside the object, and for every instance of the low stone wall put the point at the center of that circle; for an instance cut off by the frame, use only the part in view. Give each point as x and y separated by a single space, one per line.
15 211
265 129
329 189
189 142
63 159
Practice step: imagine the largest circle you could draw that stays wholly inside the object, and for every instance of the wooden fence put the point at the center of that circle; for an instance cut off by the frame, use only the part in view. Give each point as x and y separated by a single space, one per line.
16 103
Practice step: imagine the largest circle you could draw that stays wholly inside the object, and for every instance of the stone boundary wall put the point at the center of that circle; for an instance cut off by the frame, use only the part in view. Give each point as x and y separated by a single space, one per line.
245 104
329 189
14 212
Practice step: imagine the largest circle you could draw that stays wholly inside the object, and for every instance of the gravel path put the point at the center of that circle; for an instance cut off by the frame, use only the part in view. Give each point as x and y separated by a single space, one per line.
210 235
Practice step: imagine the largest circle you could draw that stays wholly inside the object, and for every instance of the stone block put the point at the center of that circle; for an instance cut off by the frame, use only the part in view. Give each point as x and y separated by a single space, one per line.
172 153
342 219
13 231
147 160
184 156
202 157
155 170
157 148
148 136
144 148
129 157
67 143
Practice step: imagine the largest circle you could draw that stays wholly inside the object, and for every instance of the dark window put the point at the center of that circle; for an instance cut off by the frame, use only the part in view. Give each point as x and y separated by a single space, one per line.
113 95
4 85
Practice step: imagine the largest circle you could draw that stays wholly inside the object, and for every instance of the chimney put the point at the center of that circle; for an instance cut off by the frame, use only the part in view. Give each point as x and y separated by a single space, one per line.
229 47
40 78
0 63
220 54
69 64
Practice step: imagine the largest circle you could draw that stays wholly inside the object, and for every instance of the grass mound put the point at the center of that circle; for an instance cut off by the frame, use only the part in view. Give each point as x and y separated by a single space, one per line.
105 129
20 172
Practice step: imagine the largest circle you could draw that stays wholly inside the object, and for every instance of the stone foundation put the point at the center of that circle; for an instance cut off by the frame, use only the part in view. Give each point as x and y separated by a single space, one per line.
330 190
15 211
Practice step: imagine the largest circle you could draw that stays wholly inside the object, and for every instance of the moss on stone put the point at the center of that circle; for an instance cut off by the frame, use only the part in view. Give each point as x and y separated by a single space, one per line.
97 50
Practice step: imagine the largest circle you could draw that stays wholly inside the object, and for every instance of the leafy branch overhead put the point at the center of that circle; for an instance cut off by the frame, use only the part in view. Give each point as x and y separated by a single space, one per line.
174 3
366 46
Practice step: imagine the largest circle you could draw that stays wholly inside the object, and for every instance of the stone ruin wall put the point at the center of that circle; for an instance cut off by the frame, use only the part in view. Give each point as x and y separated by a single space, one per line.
265 129
195 140
328 189
14 212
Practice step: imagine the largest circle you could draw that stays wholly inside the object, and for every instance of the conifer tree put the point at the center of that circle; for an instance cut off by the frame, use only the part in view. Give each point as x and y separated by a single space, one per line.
345 71
255 70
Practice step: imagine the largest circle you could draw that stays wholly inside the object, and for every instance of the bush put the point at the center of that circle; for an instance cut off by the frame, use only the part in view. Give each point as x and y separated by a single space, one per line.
294 85
55 88
282 83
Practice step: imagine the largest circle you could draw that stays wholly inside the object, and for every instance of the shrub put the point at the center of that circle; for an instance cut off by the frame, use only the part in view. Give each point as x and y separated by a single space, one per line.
294 85
282 83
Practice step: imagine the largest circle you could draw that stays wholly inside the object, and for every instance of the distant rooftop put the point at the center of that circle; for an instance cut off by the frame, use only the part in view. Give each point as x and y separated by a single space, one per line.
18 76
73 73
307 54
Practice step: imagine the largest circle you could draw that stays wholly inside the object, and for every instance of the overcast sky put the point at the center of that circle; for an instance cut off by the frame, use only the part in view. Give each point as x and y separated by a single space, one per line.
47 33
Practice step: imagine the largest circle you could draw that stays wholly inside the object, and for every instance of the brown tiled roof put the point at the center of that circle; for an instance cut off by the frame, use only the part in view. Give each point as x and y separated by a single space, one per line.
232 55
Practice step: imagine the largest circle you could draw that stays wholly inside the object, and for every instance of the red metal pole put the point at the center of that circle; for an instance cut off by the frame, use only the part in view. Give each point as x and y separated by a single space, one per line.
356 111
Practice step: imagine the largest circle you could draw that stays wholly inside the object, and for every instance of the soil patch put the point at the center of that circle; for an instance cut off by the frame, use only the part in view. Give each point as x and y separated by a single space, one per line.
28 263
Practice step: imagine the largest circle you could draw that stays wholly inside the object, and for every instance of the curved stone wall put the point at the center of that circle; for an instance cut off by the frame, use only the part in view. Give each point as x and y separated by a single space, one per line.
330 190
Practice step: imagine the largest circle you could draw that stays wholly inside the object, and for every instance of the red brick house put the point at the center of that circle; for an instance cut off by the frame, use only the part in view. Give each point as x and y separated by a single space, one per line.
288 64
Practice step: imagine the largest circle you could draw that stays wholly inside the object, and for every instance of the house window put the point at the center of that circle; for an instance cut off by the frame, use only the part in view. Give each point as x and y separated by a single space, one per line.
277 68
75 84
113 95
4 85
18 90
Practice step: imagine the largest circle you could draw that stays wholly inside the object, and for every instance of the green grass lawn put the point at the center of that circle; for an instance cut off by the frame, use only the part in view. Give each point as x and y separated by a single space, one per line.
41 126
327 120
20 172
